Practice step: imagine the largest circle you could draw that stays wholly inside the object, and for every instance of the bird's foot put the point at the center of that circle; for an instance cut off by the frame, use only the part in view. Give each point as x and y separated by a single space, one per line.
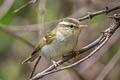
75 52
55 64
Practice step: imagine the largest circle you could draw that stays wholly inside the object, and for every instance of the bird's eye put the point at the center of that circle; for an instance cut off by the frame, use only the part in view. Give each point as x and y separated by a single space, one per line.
71 26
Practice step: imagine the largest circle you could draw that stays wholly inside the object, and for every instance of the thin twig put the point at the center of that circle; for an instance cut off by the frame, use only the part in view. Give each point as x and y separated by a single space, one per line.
91 61
91 15
25 5
34 68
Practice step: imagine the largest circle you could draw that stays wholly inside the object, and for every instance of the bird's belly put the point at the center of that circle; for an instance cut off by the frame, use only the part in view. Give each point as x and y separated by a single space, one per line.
58 48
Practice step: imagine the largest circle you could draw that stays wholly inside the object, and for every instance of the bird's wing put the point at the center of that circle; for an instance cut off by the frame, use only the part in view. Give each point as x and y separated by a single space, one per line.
45 40
40 44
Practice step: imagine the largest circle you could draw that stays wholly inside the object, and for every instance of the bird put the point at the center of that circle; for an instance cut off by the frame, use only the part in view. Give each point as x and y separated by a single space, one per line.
59 42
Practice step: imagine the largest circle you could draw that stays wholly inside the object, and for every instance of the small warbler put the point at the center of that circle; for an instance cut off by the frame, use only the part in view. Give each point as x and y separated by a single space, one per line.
59 42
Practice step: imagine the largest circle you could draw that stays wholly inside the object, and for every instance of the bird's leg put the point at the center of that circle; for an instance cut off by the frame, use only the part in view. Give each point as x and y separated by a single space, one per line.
63 56
75 52
55 63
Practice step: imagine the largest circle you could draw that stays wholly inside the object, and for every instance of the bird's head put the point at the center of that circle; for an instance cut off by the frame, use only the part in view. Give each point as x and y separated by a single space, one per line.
70 25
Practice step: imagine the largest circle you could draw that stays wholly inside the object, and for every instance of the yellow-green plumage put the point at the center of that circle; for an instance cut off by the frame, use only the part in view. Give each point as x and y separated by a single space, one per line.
50 36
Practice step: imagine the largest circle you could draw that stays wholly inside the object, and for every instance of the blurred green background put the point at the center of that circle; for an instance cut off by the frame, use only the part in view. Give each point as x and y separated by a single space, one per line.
26 23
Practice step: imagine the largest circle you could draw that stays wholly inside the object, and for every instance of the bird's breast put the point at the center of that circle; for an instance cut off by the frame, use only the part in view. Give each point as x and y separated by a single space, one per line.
60 46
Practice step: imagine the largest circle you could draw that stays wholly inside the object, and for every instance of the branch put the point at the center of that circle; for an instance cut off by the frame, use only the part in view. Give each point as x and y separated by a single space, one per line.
91 15
91 61
5 6
25 5
100 42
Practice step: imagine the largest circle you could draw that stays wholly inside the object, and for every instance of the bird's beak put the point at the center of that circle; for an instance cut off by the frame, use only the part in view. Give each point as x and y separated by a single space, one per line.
82 26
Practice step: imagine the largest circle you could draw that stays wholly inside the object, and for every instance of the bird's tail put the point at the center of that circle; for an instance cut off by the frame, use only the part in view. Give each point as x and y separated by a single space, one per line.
30 59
